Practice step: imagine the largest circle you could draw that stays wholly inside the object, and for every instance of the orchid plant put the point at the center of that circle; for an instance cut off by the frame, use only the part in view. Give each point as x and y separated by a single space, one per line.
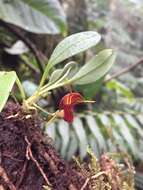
54 78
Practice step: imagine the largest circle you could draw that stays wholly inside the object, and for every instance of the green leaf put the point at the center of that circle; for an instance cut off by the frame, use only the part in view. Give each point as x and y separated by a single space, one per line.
52 9
73 45
56 74
140 119
120 88
58 139
89 91
36 16
68 71
7 80
95 130
93 144
50 130
97 67
70 46
63 129
81 135
126 133
133 123
112 133
73 145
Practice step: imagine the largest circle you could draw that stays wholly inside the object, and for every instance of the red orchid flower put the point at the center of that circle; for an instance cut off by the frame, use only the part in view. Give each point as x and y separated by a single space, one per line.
67 104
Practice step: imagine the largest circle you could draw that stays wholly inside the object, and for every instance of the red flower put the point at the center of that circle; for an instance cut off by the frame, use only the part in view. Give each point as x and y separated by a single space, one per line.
67 104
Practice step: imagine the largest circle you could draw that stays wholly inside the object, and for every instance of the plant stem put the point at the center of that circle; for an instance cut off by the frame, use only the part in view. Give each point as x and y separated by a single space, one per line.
20 88
45 74
57 82
43 110
52 119
54 86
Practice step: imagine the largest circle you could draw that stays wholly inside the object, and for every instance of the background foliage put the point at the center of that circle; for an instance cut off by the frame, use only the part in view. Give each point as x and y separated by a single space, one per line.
27 40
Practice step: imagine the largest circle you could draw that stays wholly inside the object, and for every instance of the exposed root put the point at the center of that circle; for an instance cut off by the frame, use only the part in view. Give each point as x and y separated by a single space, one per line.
97 175
91 178
29 156
6 179
22 174
72 187
1 187
14 159
85 184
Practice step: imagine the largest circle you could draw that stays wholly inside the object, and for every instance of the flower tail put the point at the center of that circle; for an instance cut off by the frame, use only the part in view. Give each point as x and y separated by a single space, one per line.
68 115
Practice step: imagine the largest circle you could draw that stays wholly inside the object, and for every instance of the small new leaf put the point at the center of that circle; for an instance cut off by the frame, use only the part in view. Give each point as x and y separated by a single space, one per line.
58 73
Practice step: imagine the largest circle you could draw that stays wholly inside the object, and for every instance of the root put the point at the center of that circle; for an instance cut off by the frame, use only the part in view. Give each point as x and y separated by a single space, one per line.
29 156
72 187
85 184
1 187
51 163
6 179
9 156
92 177
22 174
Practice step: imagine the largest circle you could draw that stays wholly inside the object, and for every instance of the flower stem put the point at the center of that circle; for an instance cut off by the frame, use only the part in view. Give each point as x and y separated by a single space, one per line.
43 110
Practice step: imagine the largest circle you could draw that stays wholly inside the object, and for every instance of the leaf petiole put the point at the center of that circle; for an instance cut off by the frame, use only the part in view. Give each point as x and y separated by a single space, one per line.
20 88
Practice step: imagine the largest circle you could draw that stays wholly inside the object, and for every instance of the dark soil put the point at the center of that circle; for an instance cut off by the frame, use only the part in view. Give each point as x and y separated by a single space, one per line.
27 161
